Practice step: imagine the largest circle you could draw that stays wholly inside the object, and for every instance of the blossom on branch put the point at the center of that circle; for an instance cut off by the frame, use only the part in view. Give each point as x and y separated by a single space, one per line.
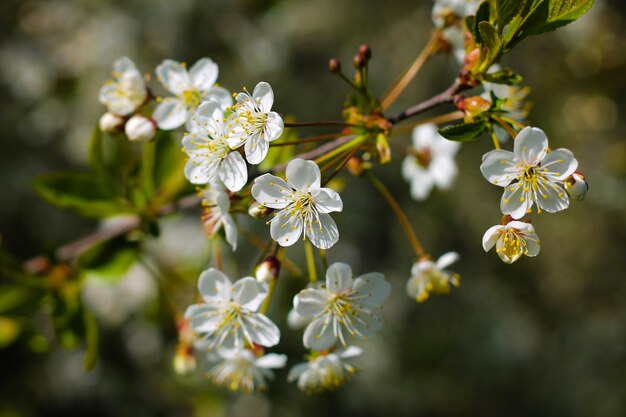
428 277
228 317
512 240
531 174
127 91
303 203
190 88
216 203
344 305
325 371
253 124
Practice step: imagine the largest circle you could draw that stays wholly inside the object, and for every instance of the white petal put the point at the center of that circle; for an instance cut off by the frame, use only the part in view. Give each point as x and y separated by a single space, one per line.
443 171
230 229
326 200
170 114
262 330
447 259
531 145
271 361
214 286
424 136
303 175
310 302
324 234
174 77
274 126
201 171
233 171
491 236
285 228
421 185
368 321
249 293
339 278
350 352
319 334
498 167
221 95
551 197
515 201
211 113
532 244
271 191
296 371
296 321
560 164
409 166
264 96
444 147
256 150
204 74
124 64
373 286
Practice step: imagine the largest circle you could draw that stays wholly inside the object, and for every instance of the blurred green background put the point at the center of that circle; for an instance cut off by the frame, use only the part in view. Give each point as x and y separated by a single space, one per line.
543 337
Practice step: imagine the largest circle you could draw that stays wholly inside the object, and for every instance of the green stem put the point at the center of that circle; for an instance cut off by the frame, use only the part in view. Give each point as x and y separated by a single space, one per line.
266 304
310 261
340 149
404 221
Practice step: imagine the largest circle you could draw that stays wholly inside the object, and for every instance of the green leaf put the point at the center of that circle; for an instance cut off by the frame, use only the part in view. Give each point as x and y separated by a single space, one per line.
13 296
482 15
9 331
464 132
109 260
508 10
492 42
552 14
505 76
80 192
169 169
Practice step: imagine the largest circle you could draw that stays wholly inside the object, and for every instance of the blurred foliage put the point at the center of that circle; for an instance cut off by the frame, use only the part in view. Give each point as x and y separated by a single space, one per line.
545 336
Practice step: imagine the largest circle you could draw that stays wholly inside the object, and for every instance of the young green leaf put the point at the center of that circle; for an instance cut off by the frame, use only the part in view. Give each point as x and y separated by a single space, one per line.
464 132
553 14
79 192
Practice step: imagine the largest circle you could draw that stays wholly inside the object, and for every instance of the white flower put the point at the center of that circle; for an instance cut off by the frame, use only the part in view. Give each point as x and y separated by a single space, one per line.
345 304
210 156
303 202
254 124
228 317
530 174
127 91
458 8
325 371
190 89
242 370
576 186
216 203
428 277
512 240
430 162
140 129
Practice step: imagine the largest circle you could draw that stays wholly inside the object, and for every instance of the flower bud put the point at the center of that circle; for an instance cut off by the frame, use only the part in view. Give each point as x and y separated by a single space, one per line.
334 65
476 105
365 52
268 270
358 61
111 123
258 211
382 146
355 166
140 129
576 186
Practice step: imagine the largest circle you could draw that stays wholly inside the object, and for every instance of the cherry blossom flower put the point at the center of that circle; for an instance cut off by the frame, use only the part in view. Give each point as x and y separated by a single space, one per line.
242 370
512 240
254 124
228 316
344 305
457 8
531 174
304 205
428 277
430 162
325 371
210 156
216 203
127 91
190 88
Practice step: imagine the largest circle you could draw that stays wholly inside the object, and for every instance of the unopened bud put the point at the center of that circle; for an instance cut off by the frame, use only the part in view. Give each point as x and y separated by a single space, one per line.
382 146
184 361
268 270
334 65
365 52
576 186
358 61
140 129
111 123
475 105
258 211
355 166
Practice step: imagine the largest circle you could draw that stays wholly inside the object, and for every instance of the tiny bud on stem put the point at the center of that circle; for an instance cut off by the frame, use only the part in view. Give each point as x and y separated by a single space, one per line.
334 65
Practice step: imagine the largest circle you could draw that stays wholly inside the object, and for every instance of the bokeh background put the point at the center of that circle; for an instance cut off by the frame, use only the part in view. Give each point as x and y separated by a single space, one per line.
543 337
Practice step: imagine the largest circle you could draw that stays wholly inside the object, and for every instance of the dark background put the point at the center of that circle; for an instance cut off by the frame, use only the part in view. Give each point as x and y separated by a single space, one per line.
543 337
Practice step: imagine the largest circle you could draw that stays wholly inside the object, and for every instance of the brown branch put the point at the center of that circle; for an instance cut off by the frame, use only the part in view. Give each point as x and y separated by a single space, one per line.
318 151
117 227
